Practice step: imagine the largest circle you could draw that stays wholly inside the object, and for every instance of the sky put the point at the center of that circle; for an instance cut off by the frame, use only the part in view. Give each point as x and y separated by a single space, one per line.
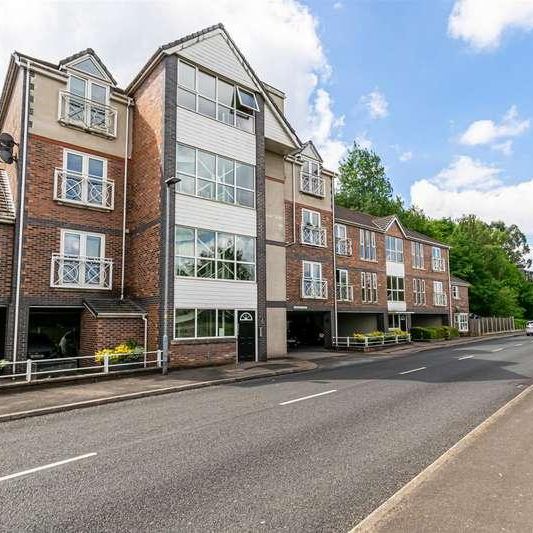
440 89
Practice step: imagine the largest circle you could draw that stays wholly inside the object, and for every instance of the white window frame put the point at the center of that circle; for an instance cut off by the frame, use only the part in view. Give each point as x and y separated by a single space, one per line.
312 213
438 289
394 254
461 321
312 265
417 250
196 309
89 82
456 292
369 287
419 290
367 250
341 232
84 235
394 292
314 216
437 258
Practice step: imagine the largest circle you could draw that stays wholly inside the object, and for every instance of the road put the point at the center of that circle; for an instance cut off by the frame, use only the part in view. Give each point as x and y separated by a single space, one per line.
308 452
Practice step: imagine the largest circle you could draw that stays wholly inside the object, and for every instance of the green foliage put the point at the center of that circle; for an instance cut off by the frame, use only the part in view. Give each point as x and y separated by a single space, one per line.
489 256
434 333
520 323
125 352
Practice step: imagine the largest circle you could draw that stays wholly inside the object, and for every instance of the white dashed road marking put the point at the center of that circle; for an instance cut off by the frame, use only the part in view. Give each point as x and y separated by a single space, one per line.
414 370
308 397
465 357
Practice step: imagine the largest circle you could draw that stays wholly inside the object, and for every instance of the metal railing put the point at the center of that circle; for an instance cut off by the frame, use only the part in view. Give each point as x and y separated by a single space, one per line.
438 264
345 293
312 184
314 235
343 246
69 271
440 299
35 369
365 341
78 188
87 114
314 288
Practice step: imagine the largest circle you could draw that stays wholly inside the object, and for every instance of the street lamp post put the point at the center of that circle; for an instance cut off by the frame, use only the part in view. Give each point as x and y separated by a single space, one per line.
169 182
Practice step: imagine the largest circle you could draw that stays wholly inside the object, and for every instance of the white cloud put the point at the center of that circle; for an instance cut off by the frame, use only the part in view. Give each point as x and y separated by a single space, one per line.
482 132
338 5
285 48
481 23
363 141
376 103
468 186
406 156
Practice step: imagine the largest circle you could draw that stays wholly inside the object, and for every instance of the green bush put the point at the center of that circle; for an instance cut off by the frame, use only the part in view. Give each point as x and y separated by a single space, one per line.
520 323
434 333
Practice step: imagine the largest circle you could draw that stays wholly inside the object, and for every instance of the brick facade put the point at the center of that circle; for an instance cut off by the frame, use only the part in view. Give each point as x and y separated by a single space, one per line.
7 232
461 304
202 353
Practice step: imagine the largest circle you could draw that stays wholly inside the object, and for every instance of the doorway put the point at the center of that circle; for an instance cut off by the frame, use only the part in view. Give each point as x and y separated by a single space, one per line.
246 336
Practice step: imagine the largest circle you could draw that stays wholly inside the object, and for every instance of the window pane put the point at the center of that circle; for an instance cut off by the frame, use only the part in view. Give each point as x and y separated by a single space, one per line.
185 266
226 270
96 168
205 268
245 122
98 94
184 241
205 243
186 159
226 323
245 176
245 249
206 85
226 247
206 165
225 171
187 184
245 272
207 323
225 114
72 244
247 99
226 93
245 198
186 99
186 75
206 189
93 246
206 107
184 323
226 193
77 86
74 162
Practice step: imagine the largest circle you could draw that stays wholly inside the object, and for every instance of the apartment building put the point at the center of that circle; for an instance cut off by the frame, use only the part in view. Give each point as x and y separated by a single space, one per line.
185 213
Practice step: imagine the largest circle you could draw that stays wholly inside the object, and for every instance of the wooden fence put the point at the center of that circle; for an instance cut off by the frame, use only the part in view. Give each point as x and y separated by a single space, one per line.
487 325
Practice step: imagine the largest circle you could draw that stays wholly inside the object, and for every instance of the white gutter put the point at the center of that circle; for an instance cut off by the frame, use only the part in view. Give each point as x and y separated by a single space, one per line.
145 320
335 305
21 207
125 197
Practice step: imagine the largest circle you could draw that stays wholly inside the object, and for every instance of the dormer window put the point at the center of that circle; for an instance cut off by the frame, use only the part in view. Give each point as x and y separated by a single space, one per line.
311 182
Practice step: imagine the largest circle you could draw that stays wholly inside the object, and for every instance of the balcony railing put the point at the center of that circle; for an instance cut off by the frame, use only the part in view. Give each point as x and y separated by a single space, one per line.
87 114
311 184
314 235
77 188
343 246
438 264
81 272
314 288
440 299
345 293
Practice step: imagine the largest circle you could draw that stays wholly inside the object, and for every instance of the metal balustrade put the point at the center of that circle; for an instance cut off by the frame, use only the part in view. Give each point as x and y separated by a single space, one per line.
345 293
78 188
314 288
438 264
311 184
440 299
368 341
313 235
343 246
81 272
87 114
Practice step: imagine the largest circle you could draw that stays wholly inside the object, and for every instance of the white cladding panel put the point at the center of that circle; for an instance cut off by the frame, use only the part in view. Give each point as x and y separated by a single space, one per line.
212 294
208 214
215 53
274 130
395 269
398 307
210 134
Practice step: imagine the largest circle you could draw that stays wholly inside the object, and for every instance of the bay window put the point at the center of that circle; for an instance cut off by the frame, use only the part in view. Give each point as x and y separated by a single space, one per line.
395 289
394 249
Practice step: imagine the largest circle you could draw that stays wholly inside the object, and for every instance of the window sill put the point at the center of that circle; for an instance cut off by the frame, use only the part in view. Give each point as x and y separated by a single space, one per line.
203 340
315 195
92 207
80 287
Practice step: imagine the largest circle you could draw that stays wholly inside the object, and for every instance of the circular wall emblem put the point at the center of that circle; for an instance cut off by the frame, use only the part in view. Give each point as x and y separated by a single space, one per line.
246 317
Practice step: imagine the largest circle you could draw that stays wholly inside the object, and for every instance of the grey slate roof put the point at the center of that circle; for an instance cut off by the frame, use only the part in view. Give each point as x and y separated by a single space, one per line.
356 217
458 281
114 307
7 208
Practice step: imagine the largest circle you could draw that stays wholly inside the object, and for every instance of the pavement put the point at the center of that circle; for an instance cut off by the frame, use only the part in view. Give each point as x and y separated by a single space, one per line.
312 451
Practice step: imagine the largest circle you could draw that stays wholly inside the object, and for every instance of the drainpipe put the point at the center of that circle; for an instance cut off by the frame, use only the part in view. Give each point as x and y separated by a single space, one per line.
26 66
450 305
335 305
145 320
294 160
125 197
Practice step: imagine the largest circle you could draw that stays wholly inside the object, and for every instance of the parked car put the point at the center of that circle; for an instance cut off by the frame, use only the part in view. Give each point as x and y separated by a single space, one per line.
529 328
40 346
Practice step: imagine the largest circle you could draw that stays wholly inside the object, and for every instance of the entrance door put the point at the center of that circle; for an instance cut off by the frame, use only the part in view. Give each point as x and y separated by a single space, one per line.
398 321
246 336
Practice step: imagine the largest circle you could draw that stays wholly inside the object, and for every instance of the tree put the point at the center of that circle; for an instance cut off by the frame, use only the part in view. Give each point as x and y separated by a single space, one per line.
514 243
364 185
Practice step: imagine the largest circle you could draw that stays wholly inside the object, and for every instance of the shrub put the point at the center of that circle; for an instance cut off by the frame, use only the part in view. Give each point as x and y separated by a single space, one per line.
434 333
122 353
520 323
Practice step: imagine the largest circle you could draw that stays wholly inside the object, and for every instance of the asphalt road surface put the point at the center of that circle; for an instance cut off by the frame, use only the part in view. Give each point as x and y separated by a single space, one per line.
308 452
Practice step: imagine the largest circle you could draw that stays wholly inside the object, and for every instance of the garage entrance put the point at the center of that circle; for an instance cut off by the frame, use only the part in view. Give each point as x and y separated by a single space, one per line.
308 329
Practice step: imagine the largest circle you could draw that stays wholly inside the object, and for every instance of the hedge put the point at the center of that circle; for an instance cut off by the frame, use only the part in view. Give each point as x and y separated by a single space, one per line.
434 333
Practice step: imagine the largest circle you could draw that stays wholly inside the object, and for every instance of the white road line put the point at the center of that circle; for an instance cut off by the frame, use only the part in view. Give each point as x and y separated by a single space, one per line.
465 357
414 370
308 397
519 344
46 467
497 350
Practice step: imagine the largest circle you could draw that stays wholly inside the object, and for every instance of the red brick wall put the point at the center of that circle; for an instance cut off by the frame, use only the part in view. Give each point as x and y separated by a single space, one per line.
6 259
462 304
201 353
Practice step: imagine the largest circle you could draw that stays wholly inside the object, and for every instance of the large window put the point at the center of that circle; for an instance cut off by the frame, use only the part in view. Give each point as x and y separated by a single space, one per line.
438 262
419 290
369 287
312 231
205 253
395 289
204 323
214 177
439 295
367 245
461 322
394 249
210 96
417 250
